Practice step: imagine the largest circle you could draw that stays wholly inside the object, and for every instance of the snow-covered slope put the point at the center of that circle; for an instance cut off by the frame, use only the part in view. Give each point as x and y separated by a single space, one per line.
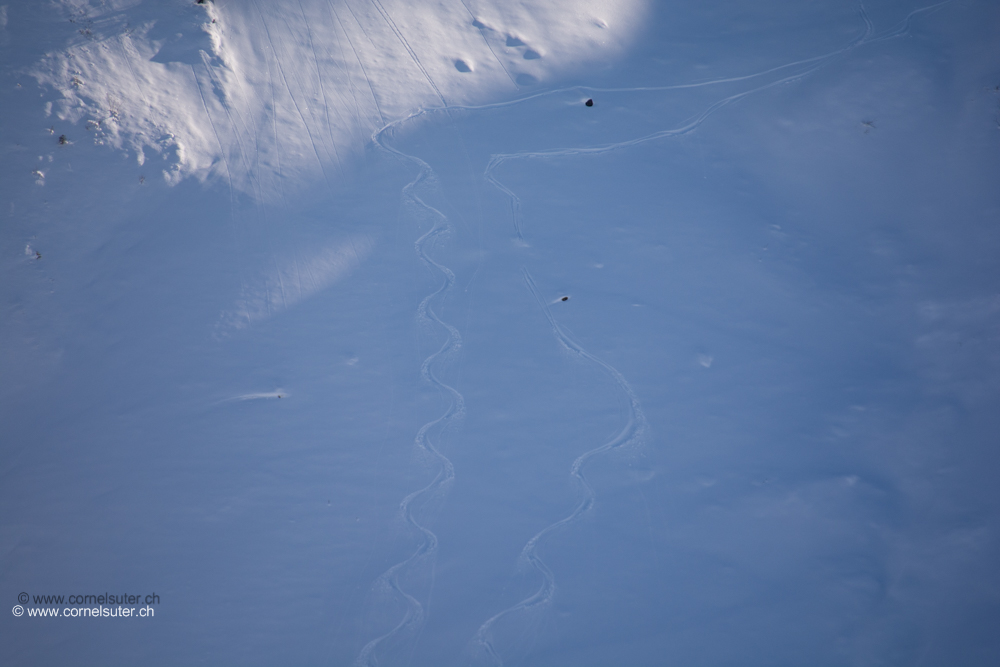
351 332
274 94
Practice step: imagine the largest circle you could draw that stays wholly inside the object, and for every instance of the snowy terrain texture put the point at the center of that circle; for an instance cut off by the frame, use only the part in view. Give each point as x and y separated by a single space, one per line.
501 332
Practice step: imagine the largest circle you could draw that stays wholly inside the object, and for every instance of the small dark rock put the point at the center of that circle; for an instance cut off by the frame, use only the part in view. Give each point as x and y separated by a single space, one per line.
589 103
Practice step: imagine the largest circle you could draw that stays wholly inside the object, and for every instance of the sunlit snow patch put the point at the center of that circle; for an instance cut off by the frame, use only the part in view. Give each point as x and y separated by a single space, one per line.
271 96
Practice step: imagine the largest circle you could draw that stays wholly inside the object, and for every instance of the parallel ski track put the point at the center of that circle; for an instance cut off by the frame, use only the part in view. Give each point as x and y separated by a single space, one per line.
291 96
406 45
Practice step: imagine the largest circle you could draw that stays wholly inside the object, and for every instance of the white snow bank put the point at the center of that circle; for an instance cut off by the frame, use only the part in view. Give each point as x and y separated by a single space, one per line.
267 94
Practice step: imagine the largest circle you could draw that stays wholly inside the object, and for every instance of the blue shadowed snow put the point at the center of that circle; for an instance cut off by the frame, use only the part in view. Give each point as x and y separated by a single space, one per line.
358 339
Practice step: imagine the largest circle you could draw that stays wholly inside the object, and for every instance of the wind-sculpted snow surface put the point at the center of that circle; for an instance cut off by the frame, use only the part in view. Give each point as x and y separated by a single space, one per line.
291 280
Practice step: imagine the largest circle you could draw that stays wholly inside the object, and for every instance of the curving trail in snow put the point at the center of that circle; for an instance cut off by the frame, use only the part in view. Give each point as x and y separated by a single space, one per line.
630 433
409 626
483 646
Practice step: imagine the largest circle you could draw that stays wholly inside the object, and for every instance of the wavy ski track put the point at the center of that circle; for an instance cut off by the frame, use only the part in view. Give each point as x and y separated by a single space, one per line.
630 433
482 644
413 618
